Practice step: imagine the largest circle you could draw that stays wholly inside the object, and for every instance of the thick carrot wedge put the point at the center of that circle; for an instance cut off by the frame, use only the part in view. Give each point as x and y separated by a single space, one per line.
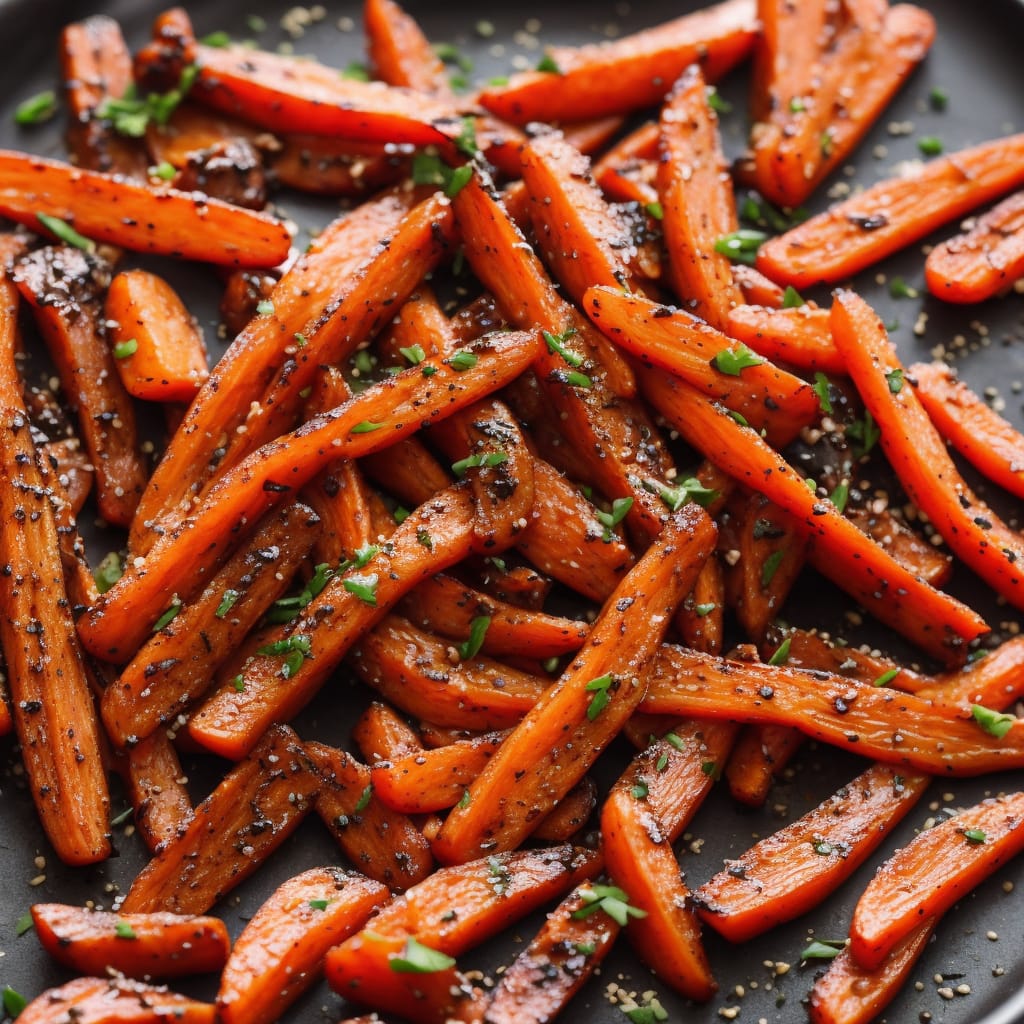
798 337
327 166
970 425
760 754
643 67
53 709
156 788
139 945
400 53
188 225
794 869
382 734
757 289
897 728
281 950
115 1001
393 408
912 444
674 340
934 870
896 212
937 623
258 805
979 263
167 363
539 983
554 746
382 843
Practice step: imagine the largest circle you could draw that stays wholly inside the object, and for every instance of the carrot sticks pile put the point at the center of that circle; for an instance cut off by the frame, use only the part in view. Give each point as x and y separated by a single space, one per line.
536 364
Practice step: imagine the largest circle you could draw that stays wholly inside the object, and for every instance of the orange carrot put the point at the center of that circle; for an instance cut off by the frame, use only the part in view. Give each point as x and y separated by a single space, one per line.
281 949
627 170
993 681
760 754
400 54
155 785
139 945
908 548
757 289
572 813
382 734
115 1001
701 618
798 336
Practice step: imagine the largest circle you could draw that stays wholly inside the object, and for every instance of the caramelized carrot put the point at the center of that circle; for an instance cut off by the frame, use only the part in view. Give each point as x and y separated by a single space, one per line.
155 785
281 950
572 813
760 754
893 214
993 681
255 808
979 263
934 870
382 734
627 170
400 54
555 744
798 336
115 1001
160 945
756 288
701 618
908 548
789 872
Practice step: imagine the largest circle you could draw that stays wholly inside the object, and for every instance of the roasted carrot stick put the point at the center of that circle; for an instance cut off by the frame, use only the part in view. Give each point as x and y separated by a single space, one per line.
760 754
757 289
993 681
255 808
399 52
850 994
791 871
115 1001
970 425
382 734
907 547
896 212
937 623
324 165
384 844
280 951
155 785
934 870
701 617
979 263
912 444
643 66
139 945
897 728
555 744
626 172
574 811
798 336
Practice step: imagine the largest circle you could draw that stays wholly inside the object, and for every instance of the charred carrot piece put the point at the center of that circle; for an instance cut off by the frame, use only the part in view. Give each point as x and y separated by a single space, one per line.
970 425
396 407
192 129
936 622
384 844
64 288
701 619
150 219
281 950
255 808
698 202
674 340
559 959
850 994
935 869
914 447
417 673
73 468
798 336
555 744
912 551
115 1001
157 945
993 681
324 165
897 728
382 734
156 788
574 811
979 263
52 705
893 214
789 872
175 666
627 170
643 66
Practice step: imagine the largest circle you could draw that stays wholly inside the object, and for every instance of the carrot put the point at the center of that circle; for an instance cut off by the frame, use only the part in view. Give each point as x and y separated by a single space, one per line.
970 425
151 220
385 844
993 681
571 815
798 336
893 214
281 949
138 945
912 551
400 54
559 959
756 288
255 808
115 1001
897 728
52 707
928 875
791 871
174 667
701 617
72 468
555 744
912 444
63 287
155 785
849 994
191 130
935 622
327 166
643 66
382 734
981 262
627 170
674 340
759 756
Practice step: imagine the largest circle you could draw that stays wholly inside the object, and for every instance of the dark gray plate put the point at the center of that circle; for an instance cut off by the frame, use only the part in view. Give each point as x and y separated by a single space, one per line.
977 61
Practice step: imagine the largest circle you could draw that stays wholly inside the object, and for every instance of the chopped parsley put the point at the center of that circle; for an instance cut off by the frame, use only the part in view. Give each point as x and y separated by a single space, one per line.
477 631
417 958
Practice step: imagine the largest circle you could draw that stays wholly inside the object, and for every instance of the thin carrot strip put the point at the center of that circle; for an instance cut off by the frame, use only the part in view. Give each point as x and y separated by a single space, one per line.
893 214
789 872
627 169
555 744
571 815
760 754
115 1001
798 336
701 617
757 289
911 550
400 54
995 681
912 444
155 784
